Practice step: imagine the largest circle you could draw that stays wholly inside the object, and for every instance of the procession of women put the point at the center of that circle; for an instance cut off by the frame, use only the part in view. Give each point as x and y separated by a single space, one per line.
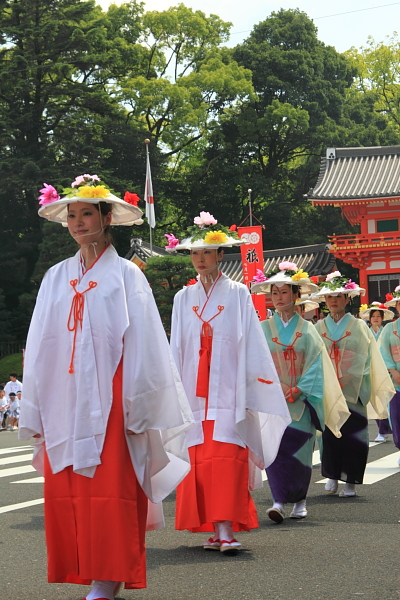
119 418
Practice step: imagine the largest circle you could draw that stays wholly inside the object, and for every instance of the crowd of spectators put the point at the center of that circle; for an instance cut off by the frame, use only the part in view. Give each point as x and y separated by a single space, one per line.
10 398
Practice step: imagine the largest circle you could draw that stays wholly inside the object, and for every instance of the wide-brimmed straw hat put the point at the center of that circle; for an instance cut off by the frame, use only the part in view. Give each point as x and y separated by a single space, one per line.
337 284
87 188
307 303
205 233
394 298
365 313
286 272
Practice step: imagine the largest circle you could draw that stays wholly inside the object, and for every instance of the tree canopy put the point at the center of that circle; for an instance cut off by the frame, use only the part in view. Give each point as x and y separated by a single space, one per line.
81 88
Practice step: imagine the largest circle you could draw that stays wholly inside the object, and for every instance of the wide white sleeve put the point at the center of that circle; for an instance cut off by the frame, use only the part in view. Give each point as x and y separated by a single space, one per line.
155 404
30 422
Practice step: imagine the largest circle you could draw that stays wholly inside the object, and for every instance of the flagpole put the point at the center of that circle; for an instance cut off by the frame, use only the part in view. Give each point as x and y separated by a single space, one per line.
251 210
147 142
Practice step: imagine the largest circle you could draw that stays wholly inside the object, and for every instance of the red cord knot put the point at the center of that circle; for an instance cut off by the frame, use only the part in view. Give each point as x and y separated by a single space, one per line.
290 355
75 316
334 352
264 380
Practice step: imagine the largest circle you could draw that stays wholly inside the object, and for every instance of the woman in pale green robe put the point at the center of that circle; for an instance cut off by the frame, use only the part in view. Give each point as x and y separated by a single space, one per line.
362 376
303 368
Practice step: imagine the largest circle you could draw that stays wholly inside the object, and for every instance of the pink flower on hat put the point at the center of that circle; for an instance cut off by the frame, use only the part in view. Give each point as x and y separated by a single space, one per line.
205 219
172 240
350 285
333 275
83 178
288 266
397 289
48 194
260 277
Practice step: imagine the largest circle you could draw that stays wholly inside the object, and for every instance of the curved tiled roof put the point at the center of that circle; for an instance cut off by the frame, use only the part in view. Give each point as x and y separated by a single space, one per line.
315 260
358 173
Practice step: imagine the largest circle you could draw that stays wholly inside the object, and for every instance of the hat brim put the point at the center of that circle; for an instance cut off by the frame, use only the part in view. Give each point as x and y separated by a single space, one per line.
264 287
387 314
122 213
308 305
325 291
392 302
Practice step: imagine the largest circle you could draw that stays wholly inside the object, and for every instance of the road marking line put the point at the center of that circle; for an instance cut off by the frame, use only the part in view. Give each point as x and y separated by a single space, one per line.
16 449
379 469
11 507
9 460
17 471
39 479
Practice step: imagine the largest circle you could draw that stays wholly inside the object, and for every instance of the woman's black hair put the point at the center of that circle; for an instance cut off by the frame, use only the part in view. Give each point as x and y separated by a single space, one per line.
376 310
106 208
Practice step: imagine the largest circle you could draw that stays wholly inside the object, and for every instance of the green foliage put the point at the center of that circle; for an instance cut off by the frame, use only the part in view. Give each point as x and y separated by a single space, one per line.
378 76
188 79
81 88
167 275
9 364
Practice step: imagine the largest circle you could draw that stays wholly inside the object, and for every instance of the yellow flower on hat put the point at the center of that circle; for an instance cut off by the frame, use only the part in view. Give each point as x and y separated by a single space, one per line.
215 238
91 191
363 307
299 275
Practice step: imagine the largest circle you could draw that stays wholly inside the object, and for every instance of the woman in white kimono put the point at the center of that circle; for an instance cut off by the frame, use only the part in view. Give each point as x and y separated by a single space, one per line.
376 314
308 382
233 390
101 413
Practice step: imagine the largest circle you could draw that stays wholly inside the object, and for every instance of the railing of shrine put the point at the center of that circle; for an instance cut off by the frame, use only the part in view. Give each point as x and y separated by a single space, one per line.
364 241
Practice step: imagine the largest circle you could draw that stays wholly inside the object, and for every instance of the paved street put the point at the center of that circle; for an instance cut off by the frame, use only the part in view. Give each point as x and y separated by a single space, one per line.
345 549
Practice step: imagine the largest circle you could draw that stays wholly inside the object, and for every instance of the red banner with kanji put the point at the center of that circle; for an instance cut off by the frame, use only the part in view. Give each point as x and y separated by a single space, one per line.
253 259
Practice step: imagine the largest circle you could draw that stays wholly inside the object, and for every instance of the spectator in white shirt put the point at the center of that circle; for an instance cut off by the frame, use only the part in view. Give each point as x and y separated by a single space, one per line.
13 385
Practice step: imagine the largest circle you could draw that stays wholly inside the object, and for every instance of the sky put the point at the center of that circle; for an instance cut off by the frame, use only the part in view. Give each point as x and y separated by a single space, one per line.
376 18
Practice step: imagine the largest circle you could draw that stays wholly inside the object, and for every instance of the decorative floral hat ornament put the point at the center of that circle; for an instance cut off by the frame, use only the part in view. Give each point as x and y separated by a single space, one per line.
88 188
205 233
285 272
335 284
392 299
365 311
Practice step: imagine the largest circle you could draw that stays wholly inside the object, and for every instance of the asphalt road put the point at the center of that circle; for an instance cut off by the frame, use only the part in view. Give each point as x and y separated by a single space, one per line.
345 549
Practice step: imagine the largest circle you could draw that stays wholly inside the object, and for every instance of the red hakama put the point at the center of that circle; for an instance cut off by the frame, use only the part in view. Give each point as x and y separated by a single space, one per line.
216 488
95 527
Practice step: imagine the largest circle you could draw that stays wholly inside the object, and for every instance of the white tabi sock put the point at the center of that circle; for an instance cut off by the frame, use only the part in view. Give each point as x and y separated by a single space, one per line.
331 485
216 534
102 589
279 505
349 487
300 506
225 531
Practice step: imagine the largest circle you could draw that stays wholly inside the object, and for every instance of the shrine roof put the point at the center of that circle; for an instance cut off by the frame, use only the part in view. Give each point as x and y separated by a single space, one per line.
357 174
315 260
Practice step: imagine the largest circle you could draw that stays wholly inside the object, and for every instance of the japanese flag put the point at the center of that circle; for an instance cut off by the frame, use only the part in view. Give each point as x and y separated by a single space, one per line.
148 194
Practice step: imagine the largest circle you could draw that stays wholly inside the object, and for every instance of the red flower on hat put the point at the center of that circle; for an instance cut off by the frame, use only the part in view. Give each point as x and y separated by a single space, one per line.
314 279
192 282
389 297
131 198
232 228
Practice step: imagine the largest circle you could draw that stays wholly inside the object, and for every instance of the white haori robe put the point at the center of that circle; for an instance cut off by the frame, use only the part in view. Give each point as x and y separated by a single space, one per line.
245 396
70 410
